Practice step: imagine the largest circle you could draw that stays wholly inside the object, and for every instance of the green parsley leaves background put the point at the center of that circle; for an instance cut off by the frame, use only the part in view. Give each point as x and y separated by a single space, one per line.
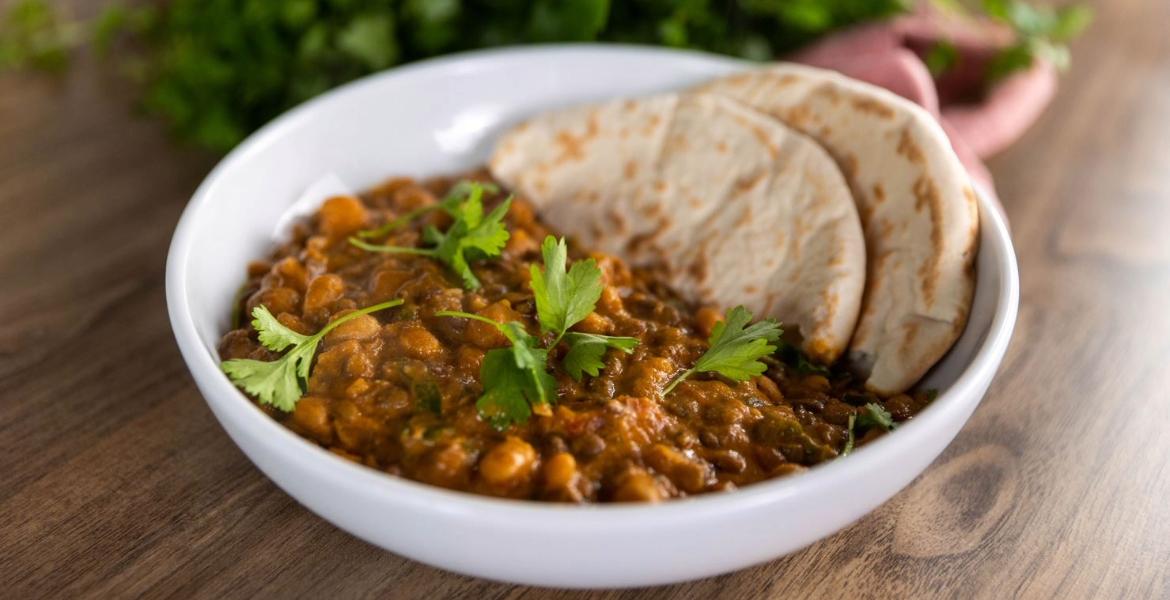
215 70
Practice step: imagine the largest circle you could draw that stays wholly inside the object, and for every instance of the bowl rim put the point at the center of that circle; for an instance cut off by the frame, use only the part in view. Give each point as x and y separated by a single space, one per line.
227 401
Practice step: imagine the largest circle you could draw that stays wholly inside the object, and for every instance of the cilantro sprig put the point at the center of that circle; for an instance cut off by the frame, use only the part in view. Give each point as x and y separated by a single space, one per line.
516 380
586 351
449 204
565 298
872 415
735 348
280 383
472 236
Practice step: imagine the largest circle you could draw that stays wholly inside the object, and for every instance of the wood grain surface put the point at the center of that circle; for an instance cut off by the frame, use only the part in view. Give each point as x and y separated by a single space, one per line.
115 479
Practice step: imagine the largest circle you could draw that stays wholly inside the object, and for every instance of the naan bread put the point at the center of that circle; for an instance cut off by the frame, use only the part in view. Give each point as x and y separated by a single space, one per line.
916 204
738 207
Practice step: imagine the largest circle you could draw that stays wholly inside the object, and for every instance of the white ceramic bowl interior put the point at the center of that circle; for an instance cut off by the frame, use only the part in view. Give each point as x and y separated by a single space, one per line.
439 117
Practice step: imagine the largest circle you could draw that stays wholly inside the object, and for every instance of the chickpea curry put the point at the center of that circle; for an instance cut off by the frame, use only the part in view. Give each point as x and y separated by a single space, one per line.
417 332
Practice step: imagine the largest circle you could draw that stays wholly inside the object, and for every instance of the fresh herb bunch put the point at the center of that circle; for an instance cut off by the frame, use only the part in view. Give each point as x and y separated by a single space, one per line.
1041 32
216 70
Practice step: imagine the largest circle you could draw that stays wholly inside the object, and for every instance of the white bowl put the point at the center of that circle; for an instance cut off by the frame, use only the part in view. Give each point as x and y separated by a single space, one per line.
440 116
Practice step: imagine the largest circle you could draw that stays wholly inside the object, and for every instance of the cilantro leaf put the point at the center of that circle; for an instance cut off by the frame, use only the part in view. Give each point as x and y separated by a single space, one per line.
458 194
276 383
849 439
587 349
510 393
526 374
873 415
281 382
564 299
471 237
797 359
273 334
735 350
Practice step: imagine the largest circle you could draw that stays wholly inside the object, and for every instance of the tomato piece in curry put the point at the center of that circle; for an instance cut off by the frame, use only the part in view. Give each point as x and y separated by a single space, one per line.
397 390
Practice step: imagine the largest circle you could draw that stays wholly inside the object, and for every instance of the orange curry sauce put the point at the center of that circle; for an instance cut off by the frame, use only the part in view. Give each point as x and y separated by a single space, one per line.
396 390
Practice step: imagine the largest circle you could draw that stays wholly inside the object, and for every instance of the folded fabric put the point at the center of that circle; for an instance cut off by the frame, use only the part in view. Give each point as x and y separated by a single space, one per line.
892 55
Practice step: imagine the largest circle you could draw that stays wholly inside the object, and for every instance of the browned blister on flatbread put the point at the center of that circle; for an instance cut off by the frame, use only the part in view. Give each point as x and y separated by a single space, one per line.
740 208
917 208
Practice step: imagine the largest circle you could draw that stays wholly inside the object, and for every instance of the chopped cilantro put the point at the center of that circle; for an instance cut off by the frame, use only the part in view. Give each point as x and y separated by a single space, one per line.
872 415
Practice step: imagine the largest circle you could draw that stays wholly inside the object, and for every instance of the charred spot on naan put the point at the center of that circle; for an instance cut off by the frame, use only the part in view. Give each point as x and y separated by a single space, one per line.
746 184
929 274
570 147
910 149
873 107
631 169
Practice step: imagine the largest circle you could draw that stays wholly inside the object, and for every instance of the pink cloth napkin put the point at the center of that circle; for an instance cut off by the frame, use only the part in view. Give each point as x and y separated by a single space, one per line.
891 55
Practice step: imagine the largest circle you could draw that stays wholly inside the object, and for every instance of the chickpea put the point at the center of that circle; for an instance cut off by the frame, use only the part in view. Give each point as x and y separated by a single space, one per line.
357 388
410 196
769 389
356 432
276 300
294 323
560 471
705 319
469 359
447 465
417 342
610 301
341 216
650 376
689 474
257 268
323 290
729 461
817 383
787 469
486 336
520 243
613 272
509 463
521 214
594 323
639 486
312 416
385 282
292 273
363 327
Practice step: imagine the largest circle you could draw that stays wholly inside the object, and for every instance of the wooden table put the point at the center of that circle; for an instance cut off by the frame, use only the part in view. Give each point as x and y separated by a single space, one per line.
115 479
